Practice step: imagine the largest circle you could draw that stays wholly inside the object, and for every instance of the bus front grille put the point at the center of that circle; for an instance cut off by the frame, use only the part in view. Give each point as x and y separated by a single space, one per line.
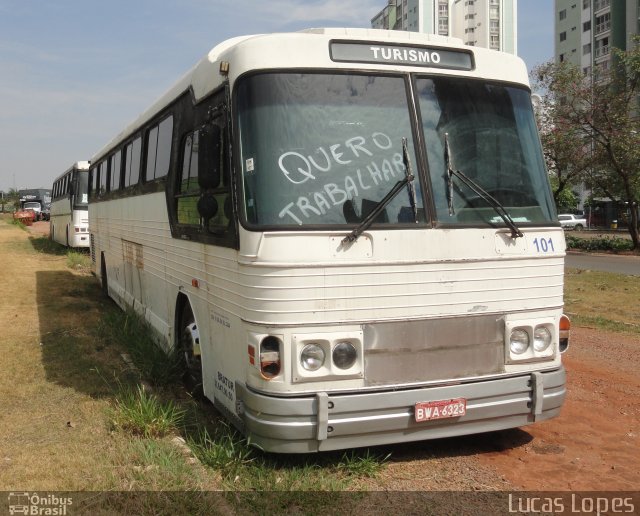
431 350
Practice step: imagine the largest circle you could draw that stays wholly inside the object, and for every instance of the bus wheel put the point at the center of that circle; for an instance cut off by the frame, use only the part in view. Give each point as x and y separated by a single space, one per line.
189 349
67 236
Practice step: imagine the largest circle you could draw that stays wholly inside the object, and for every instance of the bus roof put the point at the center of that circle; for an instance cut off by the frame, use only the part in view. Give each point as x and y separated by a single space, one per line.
80 165
310 48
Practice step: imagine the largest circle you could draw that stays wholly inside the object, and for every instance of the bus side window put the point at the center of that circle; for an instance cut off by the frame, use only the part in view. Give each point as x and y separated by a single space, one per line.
102 174
188 190
203 192
213 177
116 169
132 162
93 182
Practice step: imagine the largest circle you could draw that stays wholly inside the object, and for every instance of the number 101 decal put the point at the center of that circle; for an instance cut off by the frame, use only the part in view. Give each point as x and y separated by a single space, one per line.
544 245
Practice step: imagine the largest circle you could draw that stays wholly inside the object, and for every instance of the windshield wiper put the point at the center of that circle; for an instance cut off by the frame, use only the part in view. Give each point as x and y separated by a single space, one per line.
481 192
384 202
411 190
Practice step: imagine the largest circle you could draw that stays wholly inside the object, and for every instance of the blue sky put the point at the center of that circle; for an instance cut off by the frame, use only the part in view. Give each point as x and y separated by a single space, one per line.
75 72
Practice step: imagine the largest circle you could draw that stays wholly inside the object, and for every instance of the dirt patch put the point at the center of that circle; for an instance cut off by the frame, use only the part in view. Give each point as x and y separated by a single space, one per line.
593 445
40 228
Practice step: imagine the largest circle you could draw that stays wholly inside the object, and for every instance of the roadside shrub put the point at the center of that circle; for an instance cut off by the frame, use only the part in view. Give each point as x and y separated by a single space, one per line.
613 244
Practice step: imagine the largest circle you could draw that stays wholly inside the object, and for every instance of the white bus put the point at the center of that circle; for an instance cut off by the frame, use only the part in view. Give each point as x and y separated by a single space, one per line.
349 232
69 222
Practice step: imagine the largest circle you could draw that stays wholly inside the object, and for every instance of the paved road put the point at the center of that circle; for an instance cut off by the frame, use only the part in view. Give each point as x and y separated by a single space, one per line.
604 262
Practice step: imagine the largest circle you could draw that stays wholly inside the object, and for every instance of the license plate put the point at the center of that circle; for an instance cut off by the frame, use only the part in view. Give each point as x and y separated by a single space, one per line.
430 410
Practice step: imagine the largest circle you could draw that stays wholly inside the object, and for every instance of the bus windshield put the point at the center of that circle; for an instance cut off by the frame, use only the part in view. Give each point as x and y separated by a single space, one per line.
324 149
81 199
493 140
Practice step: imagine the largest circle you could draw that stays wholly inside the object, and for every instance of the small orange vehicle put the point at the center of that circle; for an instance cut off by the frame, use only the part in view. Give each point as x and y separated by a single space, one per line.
26 217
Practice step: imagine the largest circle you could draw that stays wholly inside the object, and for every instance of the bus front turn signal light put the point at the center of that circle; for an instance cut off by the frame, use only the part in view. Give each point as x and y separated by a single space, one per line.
565 328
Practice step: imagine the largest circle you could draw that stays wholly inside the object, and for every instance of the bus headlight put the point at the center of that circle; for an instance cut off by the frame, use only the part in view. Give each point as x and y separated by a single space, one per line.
312 357
344 355
324 356
519 341
541 338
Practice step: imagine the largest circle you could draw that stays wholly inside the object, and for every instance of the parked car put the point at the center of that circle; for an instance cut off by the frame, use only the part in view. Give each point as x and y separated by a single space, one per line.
569 221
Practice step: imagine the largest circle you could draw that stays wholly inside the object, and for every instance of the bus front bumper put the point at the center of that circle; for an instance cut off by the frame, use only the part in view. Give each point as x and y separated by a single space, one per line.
329 421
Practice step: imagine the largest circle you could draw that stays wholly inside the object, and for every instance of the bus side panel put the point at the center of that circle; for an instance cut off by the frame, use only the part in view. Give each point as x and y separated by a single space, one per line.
135 259
59 220
202 274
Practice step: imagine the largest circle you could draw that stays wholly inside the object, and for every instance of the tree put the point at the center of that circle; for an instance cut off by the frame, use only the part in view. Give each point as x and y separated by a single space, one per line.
566 201
565 151
598 115
11 197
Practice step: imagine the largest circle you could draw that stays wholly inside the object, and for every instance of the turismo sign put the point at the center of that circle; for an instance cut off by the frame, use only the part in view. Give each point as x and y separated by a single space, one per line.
401 54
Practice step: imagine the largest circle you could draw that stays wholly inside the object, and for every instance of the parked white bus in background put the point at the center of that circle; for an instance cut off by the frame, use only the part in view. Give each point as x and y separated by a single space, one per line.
349 232
69 223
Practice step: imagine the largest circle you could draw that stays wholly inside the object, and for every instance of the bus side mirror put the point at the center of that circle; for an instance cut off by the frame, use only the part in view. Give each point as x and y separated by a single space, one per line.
207 206
209 157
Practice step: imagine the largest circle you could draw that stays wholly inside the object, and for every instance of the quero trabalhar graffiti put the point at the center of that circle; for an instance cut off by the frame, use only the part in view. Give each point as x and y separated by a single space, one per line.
300 169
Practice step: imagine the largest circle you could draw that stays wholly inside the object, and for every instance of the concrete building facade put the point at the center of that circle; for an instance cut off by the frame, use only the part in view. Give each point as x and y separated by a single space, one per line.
587 30
485 23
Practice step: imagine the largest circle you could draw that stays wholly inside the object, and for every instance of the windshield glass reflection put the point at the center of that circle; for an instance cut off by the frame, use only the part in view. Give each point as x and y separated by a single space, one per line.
493 140
323 149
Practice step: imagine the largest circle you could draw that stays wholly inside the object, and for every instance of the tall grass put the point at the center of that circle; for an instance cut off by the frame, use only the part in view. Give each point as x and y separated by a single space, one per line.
79 261
243 467
143 414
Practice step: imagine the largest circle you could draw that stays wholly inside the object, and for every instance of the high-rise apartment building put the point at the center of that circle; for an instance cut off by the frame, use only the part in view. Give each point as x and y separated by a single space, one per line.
587 30
484 23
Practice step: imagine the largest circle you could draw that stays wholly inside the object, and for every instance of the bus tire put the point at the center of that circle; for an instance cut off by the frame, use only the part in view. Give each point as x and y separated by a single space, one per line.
188 340
67 236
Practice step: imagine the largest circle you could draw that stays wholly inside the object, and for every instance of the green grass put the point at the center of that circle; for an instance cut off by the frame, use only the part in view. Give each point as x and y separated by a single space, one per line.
602 300
79 261
45 245
16 222
134 335
297 478
224 450
144 415
362 463
159 464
